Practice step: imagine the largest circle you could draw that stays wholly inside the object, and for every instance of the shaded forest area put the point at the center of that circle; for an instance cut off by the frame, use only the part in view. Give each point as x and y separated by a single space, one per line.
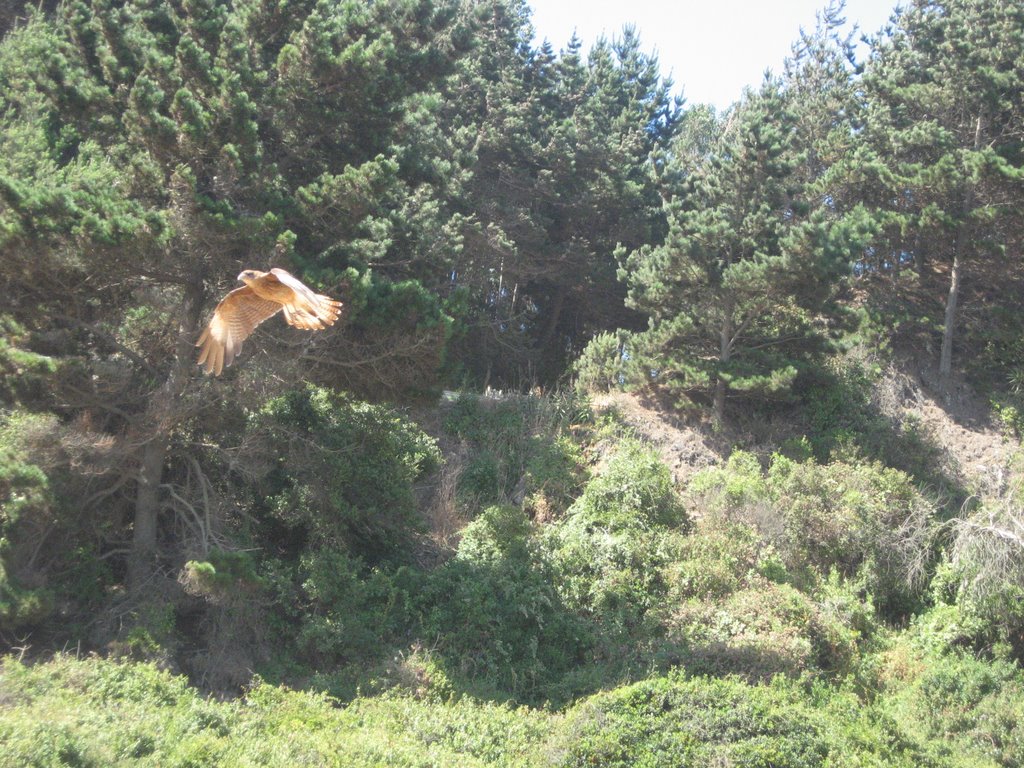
650 434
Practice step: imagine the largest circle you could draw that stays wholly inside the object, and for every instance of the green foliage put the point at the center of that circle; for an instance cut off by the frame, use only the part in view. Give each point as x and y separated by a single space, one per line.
94 712
865 521
986 569
486 207
499 622
957 708
609 551
22 372
761 631
749 260
676 721
349 610
341 470
634 490
730 609
600 366
1010 412
561 149
521 449
940 158
26 510
846 422
716 560
224 573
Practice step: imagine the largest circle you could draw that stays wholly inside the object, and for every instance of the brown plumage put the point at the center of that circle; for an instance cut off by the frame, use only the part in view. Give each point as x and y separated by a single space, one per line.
263 295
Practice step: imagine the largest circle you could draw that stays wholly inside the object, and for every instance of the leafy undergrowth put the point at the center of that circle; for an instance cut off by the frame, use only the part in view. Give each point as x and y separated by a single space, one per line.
928 708
103 713
773 610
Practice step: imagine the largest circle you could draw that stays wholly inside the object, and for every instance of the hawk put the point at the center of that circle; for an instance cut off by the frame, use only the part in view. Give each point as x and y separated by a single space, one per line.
263 295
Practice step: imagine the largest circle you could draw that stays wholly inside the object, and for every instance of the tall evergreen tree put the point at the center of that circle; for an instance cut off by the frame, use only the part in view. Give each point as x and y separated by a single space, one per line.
732 294
560 175
156 148
945 94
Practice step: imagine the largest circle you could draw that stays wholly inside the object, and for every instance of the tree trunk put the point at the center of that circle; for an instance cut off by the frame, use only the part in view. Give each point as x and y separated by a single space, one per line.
960 246
551 356
725 352
955 278
147 507
946 356
161 417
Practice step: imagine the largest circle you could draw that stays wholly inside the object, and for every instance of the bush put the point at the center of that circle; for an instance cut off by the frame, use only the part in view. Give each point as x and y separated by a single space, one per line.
634 490
520 450
986 566
850 420
610 550
761 631
602 366
47 540
716 560
99 713
349 614
961 709
498 620
865 521
613 578
339 470
676 721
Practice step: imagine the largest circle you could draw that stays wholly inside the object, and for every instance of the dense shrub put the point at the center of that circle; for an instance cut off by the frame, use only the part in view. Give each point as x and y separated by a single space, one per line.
761 631
960 709
48 540
986 567
496 615
338 469
101 713
348 613
945 711
675 721
520 450
867 522
609 552
633 490
853 413
717 560
730 609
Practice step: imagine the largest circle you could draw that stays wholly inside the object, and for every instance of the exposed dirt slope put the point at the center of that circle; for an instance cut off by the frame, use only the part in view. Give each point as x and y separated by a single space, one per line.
957 420
954 418
685 449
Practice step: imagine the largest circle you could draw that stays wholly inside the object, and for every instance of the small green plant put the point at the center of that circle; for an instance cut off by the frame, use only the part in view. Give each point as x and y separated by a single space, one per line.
634 490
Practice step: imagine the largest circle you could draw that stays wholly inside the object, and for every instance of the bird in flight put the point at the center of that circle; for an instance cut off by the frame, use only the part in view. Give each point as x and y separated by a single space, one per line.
263 295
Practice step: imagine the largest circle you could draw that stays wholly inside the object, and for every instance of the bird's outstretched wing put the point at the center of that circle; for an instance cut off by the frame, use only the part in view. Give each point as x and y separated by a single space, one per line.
234 319
308 310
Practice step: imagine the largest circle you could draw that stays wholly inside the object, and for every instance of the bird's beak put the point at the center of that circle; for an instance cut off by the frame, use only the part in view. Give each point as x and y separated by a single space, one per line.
242 276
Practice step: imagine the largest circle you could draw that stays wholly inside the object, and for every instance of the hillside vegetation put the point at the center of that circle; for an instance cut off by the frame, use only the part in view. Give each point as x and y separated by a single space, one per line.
650 435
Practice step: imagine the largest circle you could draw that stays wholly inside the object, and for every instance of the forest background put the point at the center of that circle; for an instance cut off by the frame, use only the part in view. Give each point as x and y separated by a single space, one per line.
651 434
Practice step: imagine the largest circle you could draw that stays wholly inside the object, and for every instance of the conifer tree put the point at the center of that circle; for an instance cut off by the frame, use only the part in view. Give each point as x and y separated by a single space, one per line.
733 292
157 148
945 97
561 174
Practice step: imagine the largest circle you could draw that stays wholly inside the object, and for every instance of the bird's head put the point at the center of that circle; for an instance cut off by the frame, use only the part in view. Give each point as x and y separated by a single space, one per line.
248 275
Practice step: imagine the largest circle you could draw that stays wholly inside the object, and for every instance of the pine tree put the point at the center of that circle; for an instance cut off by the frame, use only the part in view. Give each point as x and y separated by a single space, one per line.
945 95
156 148
561 174
732 293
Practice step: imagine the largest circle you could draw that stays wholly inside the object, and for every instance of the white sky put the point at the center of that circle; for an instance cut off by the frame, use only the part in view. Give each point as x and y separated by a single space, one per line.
712 48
